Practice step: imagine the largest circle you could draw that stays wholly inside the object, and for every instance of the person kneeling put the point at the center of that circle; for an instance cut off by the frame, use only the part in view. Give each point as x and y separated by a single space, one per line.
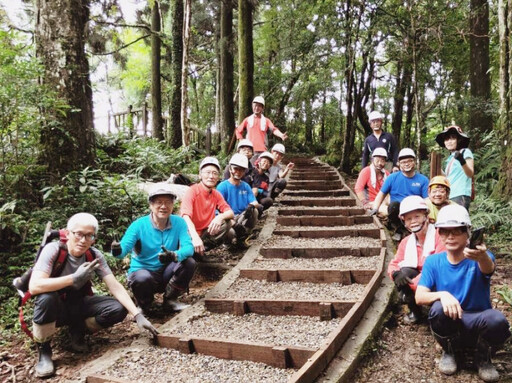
457 284
162 252
405 269
260 183
66 299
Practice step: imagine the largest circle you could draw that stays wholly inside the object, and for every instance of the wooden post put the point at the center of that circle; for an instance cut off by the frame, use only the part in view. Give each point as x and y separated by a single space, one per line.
435 164
145 119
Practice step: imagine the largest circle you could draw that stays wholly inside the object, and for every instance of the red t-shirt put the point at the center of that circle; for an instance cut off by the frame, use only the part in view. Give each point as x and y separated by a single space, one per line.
254 132
364 182
200 204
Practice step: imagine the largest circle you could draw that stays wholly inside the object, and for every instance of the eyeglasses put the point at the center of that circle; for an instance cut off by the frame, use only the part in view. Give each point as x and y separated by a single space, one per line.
79 235
404 162
211 173
159 203
456 231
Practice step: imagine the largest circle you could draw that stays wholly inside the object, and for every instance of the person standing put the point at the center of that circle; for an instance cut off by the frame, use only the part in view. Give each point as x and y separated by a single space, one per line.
257 126
379 139
459 166
456 284
161 250
198 208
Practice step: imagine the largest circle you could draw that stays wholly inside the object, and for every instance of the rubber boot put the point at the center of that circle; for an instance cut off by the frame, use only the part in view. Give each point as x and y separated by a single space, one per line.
486 371
171 303
447 363
44 367
77 341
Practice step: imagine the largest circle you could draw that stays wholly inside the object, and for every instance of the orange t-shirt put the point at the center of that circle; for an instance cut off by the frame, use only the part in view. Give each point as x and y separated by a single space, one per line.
254 132
200 205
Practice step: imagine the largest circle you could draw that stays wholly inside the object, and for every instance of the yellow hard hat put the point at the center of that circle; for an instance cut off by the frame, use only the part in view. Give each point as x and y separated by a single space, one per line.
439 180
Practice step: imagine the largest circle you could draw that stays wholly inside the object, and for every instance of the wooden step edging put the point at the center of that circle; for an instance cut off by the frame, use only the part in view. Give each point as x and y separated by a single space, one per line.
345 277
276 356
328 233
326 310
318 252
308 211
315 220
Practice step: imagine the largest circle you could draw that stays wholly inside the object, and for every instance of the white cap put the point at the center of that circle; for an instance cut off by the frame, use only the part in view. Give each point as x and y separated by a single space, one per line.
453 216
278 148
411 203
380 152
239 159
268 156
406 152
374 115
209 161
244 142
161 188
259 100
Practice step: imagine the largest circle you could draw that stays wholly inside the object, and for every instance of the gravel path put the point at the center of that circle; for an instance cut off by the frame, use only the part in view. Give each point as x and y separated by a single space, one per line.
244 288
279 241
289 330
158 365
339 263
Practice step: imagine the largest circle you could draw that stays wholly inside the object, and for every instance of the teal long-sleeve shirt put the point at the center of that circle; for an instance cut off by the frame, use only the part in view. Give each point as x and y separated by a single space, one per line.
174 237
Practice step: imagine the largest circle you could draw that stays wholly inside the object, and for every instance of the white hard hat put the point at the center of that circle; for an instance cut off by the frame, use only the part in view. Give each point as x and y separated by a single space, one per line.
406 152
259 100
453 216
380 152
268 156
244 142
374 115
278 148
239 159
209 161
161 188
411 203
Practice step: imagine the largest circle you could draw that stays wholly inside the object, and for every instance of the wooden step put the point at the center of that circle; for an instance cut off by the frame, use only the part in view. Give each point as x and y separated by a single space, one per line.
345 277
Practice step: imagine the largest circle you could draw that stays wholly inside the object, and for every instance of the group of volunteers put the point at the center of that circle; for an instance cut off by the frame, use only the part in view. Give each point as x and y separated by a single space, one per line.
436 265
163 247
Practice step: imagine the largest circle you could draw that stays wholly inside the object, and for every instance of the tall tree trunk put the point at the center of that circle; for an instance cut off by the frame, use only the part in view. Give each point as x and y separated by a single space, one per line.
504 186
174 134
227 107
480 116
403 80
308 110
68 139
245 59
156 89
185 127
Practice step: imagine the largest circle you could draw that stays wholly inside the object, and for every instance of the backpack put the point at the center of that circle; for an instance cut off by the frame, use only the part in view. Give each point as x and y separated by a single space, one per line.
21 283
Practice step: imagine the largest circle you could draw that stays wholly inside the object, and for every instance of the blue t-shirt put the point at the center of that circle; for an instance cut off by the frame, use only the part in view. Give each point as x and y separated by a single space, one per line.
238 197
464 281
399 186
174 237
460 183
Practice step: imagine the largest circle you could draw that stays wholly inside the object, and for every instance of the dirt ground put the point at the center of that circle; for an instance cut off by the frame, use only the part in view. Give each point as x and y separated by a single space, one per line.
400 353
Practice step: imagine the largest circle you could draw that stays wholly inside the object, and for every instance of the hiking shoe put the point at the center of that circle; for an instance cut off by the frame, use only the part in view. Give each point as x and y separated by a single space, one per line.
174 305
447 364
412 318
487 372
397 237
77 342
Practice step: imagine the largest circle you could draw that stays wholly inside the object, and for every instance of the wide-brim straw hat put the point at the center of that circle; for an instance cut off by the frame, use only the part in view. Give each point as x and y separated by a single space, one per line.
462 140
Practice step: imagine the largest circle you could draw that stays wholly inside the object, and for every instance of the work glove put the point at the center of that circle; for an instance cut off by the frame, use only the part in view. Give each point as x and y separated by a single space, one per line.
459 157
400 279
144 324
373 211
167 256
115 248
84 273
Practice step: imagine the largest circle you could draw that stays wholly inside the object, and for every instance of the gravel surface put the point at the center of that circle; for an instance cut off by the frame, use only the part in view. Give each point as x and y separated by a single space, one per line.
318 207
279 241
150 367
244 288
338 263
292 330
300 198
362 226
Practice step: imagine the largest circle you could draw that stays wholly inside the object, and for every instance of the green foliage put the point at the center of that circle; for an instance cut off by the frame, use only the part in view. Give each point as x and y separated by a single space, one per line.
506 293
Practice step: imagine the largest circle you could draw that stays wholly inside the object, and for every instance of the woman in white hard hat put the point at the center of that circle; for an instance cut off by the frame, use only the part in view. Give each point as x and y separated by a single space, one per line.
459 166
405 268
456 284
257 127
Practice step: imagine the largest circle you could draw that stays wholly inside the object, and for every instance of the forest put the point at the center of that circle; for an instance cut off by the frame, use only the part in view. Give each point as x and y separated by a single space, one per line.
186 71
